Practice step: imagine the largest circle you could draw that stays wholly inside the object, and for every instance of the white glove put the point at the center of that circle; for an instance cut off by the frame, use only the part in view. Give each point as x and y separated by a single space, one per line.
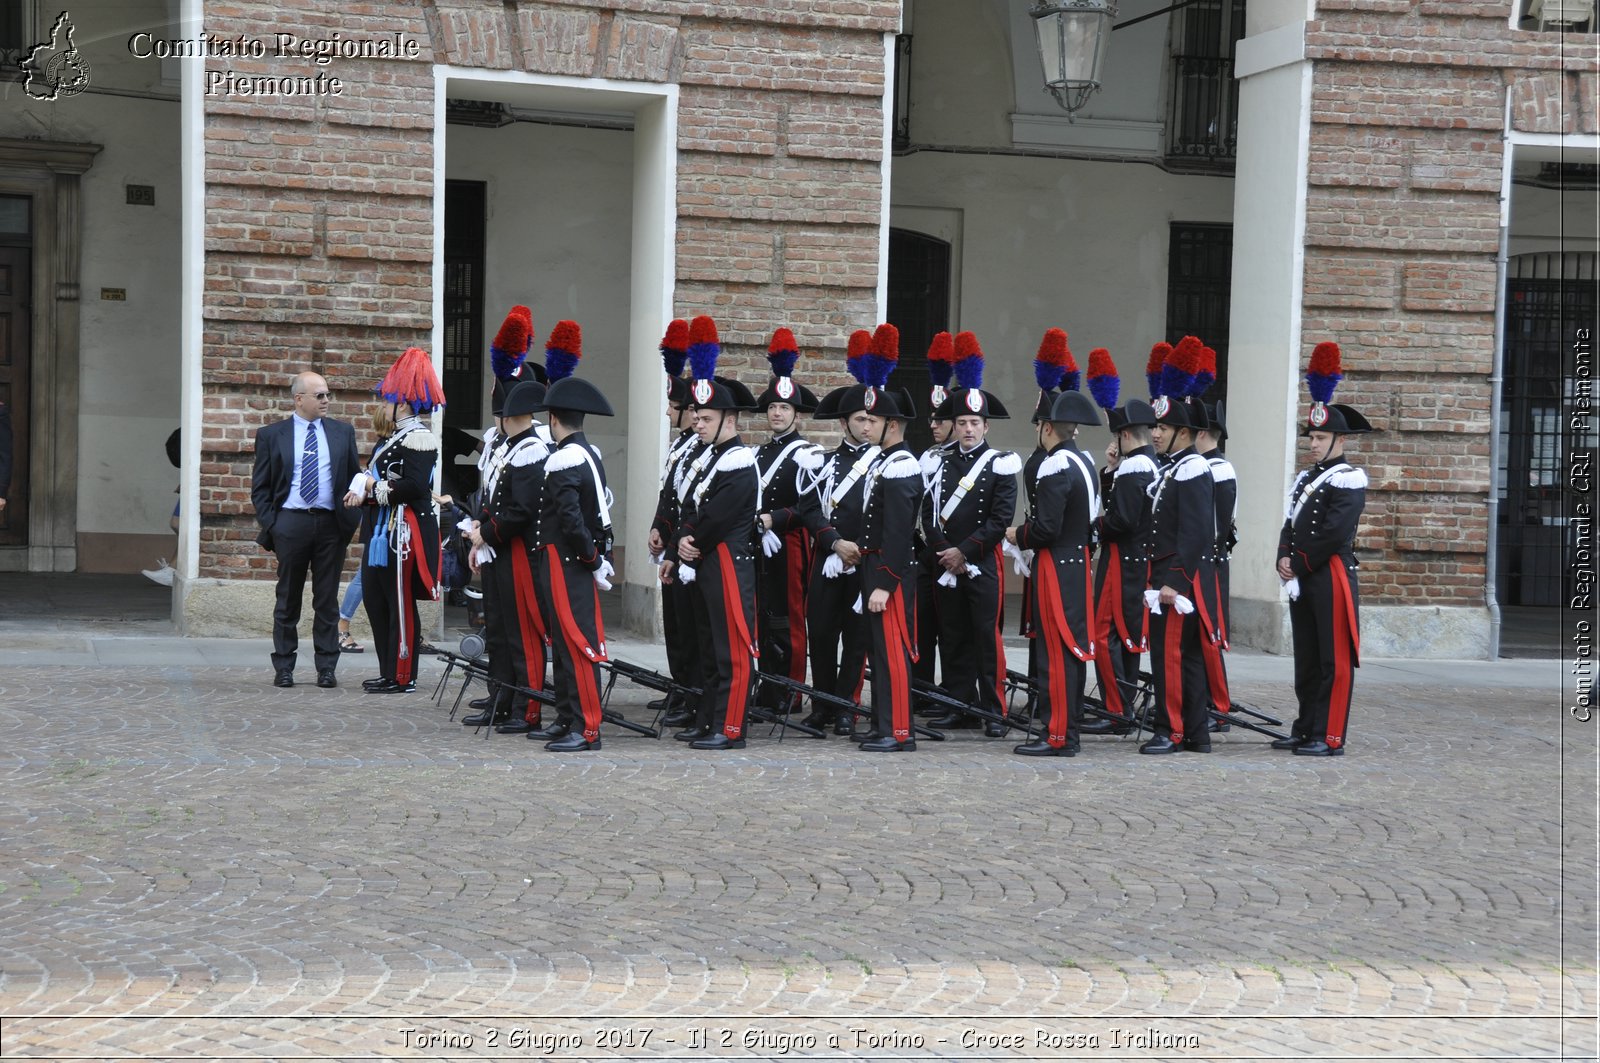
1152 602
483 555
1293 587
947 579
602 573
465 525
685 573
771 544
1021 560
973 571
833 566
856 608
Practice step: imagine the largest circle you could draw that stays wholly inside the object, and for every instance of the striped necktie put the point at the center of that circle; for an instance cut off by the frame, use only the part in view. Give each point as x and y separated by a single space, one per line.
308 467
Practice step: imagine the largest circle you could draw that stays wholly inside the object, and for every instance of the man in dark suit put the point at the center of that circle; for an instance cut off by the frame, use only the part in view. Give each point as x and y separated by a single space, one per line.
304 463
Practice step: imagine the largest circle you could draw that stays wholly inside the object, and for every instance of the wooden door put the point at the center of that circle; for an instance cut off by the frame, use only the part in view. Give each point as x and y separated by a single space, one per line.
15 286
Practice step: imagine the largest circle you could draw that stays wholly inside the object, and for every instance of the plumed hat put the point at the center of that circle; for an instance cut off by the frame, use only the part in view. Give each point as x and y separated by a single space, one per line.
574 395
674 355
872 368
1322 377
969 396
1136 414
1050 370
526 398
1179 413
508 354
1104 383
1181 372
709 391
782 354
1074 407
1153 367
411 380
565 392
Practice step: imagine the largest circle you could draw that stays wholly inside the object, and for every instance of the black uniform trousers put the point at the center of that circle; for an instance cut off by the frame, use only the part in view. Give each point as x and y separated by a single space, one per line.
780 596
971 616
570 603
307 541
837 634
723 616
890 639
392 612
927 623
1180 675
679 634
511 605
1324 620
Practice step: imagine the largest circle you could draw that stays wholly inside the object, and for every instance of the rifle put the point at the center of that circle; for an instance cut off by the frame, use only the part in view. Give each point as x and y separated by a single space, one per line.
645 677
931 693
851 707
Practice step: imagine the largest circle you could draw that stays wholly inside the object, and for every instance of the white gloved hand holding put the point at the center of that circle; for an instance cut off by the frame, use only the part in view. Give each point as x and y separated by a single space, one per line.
686 573
770 543
602 575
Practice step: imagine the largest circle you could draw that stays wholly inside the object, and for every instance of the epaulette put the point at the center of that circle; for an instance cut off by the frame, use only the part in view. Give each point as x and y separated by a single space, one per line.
529 454
1136 464
420 439
1222 470
736 458
903 464
810 457
1353 480
564 458
1190 467
1008 464
1053 464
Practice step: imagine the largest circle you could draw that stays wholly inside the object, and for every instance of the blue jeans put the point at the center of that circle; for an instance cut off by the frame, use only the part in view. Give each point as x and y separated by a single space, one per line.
352 598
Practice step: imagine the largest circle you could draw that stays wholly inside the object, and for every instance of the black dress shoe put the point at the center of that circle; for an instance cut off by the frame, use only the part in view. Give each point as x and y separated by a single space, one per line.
389 686
1101 726
994 730
373 684
485 702
284 678
717 741
521 727
677 718
887 744
572 743
1161 744
950 721
657 705
817 720
1197 745
693 734
1292 742
1041 748
845 724
326 679
1318 748
553 732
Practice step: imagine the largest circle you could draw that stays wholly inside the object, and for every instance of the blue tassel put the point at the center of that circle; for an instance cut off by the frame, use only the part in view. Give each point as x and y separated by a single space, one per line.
378 547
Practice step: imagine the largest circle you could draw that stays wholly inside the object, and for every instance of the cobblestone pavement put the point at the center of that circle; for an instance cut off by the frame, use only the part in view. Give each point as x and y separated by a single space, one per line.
195 865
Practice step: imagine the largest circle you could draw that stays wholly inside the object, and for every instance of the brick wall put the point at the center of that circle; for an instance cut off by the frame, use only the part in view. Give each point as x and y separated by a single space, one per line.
1402 227
319 237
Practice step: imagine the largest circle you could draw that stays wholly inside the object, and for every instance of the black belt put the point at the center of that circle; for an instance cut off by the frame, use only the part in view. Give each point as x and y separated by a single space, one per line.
311 509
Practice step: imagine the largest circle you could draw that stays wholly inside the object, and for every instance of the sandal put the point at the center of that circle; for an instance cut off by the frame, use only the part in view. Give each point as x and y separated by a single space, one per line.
348 643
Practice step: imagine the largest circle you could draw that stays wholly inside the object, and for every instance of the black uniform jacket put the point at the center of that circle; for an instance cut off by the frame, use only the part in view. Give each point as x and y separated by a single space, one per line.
403 471
845 520
1059 531
721 503
680 454
1325 527
981 518
511 510
781 495
888 521
569 513
1182 523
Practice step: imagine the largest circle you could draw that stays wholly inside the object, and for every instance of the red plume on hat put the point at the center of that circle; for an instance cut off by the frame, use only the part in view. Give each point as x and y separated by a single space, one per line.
1152 368
1104 384
1206 375
969 361
704 348
941 359
1324 372
675 347
1181 368
856 353
882 357
411 380
783 352
562 350
1050 364
510 344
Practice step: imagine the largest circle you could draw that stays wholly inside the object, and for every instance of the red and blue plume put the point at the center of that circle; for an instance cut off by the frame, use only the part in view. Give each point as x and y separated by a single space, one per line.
1324 372
782 353
675 347
1071 379
1050 364
704 348
411 380
1152 368
1178 375
1207 374
969 361
510 344
562 350
856 353
941 359
1104 384
882 357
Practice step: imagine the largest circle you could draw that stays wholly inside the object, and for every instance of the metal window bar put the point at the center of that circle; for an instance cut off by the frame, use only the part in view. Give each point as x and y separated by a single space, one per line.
1199 287
1549 297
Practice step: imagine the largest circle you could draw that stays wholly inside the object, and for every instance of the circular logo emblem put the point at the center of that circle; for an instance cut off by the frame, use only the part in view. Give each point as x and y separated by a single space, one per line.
975 401
1161 406
702 391
1319 415
939 395
785 388
871 399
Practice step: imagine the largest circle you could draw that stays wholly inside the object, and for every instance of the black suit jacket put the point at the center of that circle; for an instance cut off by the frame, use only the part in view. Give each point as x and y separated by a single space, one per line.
274 472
